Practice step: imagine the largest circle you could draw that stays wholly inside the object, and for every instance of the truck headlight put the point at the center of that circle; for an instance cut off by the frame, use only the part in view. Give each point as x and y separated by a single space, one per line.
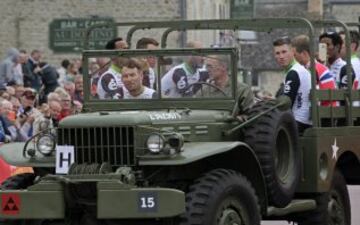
176 141
155 143
46 144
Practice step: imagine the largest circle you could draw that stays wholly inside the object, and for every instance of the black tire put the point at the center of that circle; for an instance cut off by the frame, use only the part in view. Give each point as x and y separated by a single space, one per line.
18 182
333 207
274 138
221 197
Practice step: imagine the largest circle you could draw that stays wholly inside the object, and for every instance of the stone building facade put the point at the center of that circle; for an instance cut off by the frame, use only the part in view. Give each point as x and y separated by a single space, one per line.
25 23
207 9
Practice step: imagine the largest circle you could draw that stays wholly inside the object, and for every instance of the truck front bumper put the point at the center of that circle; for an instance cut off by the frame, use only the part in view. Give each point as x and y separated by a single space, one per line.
113 200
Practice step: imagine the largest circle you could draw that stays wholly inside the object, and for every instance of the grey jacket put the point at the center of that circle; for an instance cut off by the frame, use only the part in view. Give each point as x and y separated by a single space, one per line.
7 66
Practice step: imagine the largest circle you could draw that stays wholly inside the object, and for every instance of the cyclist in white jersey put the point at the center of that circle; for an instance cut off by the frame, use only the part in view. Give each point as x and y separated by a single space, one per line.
297 82
336 64
109 85
178 81
132 78
355 61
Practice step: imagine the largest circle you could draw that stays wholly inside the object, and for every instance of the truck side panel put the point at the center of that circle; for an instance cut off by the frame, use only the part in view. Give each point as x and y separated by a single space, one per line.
323 149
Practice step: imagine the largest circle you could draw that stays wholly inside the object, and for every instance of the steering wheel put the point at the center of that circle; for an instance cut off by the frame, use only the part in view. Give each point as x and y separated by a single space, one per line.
207 84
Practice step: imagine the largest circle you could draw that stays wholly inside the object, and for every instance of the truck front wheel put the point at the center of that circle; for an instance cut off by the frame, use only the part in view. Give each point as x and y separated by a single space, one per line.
274 138
221 197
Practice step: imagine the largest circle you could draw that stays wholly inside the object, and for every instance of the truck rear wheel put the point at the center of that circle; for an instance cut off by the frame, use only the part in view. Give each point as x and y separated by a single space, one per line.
333 207
221 197
273 137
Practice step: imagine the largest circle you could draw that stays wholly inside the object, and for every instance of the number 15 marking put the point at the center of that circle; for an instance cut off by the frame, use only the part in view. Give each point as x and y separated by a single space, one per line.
147 202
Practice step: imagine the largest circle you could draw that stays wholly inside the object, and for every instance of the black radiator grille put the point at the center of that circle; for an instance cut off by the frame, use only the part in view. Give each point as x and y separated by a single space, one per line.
114 145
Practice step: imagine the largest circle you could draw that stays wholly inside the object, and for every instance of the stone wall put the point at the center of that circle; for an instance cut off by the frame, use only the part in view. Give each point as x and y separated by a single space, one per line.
207 9
259 55
25 23
345 12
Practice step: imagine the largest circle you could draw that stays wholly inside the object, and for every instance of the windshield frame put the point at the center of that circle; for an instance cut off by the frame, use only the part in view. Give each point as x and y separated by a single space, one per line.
160 103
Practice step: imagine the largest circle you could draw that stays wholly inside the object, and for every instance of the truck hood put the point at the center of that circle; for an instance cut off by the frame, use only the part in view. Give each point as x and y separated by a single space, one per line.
131 118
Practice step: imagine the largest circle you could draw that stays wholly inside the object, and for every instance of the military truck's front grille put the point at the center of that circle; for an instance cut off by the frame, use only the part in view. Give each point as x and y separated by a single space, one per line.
114 145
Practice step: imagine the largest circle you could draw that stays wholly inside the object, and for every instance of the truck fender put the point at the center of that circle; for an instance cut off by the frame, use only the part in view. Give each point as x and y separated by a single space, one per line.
237 156
12 154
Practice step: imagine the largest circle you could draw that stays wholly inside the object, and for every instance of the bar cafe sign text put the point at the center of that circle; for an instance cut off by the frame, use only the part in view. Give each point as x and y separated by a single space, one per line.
68 35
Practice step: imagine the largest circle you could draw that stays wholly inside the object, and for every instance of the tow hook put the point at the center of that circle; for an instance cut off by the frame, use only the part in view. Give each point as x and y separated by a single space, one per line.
127 175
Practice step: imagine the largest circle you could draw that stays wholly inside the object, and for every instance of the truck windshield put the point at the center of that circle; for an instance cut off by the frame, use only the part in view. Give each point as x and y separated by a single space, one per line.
186 76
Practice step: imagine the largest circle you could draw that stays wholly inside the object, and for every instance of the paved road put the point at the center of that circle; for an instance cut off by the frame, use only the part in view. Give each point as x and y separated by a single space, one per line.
355 205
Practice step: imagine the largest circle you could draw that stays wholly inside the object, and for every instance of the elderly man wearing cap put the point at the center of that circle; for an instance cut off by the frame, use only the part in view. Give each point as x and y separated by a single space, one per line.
22 129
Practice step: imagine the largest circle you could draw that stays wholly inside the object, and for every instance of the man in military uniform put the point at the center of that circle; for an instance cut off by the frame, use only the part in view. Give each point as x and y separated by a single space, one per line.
219 84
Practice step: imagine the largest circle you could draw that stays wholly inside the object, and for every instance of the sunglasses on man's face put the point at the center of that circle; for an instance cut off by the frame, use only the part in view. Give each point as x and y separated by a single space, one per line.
29 95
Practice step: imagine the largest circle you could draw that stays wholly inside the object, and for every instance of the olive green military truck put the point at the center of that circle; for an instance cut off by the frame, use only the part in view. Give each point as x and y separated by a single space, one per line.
185 150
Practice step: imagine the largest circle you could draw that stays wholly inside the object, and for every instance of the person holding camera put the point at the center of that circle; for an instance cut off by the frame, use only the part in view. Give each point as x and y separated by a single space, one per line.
22 128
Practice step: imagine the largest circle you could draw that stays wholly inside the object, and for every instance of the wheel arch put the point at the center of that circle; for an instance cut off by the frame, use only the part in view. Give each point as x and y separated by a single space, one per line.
349 164
248 165
202 158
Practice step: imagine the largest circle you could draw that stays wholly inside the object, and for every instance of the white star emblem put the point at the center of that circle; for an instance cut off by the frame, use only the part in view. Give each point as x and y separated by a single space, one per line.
335 149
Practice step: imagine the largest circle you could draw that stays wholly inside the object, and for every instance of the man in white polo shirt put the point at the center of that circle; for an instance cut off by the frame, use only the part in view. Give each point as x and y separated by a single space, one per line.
297 82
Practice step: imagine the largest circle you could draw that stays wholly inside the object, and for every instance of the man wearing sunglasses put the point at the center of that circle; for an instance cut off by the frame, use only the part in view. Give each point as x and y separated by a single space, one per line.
27 101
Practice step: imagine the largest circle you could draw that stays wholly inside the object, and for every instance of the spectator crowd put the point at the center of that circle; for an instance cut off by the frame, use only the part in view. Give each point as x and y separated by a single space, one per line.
35 95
